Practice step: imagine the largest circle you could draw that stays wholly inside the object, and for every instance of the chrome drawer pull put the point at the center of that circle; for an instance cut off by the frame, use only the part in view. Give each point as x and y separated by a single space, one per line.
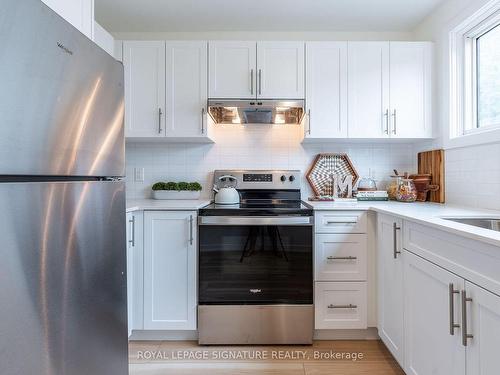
342 222
342 258
395 229
452 293
349 306
465 335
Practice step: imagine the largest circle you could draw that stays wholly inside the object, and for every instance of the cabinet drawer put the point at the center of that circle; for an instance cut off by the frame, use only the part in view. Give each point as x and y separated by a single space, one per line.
340 305
340 257
340 222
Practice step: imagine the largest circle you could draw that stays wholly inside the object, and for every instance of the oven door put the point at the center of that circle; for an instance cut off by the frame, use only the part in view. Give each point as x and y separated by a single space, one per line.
250 263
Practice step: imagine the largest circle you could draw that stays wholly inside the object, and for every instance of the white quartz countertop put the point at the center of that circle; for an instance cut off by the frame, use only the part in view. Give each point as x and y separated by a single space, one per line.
167 205
430 214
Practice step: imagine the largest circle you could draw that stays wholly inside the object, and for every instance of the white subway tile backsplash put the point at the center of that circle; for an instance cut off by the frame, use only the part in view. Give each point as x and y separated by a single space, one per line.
263 147
473 176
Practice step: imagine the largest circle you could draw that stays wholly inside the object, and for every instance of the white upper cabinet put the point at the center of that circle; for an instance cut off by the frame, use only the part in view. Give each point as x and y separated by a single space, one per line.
232 70
250 70
104 39
410 89
280 70
144 64
186 89
389 89
390 285
368 89
79 13
326 89
170 270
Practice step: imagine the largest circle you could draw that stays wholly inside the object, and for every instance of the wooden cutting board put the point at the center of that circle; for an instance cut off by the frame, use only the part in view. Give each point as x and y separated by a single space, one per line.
433 162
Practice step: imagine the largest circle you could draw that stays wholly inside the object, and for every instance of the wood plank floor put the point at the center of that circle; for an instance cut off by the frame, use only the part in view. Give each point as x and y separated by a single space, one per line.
187 357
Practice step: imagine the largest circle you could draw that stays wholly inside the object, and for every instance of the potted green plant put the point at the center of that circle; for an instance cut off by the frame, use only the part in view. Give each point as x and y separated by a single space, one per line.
176 190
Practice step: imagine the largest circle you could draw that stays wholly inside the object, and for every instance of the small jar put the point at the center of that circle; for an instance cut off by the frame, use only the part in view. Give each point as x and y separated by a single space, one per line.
392 188
406 191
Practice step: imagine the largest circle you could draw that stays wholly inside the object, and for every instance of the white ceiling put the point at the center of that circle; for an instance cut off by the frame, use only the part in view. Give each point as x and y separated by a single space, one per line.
261 15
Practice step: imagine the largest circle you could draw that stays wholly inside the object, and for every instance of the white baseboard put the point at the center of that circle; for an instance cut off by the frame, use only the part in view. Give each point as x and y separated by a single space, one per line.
163 335
346 334
323 334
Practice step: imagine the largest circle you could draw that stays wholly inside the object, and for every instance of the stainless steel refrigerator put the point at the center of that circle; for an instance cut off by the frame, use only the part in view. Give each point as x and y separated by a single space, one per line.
62 201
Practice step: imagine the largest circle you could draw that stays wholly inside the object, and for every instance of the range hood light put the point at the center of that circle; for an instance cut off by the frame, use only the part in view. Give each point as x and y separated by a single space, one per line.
262 111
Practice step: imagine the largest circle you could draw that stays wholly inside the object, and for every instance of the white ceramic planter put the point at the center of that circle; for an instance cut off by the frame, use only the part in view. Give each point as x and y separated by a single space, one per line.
172 194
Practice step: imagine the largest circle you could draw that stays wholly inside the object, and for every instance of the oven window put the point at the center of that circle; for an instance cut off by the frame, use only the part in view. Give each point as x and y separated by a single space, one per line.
255 265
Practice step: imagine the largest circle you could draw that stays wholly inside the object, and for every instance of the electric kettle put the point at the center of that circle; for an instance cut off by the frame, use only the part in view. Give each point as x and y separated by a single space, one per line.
226 194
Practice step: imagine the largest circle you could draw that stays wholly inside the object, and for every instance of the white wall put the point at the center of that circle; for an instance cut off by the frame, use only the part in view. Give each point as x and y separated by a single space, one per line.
464 165
255 147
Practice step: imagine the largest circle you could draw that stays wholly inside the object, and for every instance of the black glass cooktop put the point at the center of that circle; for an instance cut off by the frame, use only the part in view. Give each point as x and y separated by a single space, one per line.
258 207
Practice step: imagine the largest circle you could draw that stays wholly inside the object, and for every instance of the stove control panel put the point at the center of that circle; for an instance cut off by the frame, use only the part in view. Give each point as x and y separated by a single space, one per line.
257 177
262 179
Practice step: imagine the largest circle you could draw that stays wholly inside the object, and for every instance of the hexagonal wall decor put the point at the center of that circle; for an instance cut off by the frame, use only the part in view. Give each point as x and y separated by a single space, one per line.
325 167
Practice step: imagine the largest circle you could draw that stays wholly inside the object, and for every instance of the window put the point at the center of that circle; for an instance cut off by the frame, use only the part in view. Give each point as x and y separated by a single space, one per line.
475 73
488 78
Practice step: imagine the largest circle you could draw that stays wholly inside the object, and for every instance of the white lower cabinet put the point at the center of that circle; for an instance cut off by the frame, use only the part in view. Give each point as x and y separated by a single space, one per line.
340 270
483 317
170 270
135 264
451 324
340 305
430 348
390 285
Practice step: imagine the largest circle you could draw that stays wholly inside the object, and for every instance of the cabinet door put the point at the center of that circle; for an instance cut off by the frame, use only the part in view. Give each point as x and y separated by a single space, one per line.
390 285
483 316
79 13
232 70
144 63
429 346
368 89
410 89
186 89
340 257
326 89
280 70
170 270
135 263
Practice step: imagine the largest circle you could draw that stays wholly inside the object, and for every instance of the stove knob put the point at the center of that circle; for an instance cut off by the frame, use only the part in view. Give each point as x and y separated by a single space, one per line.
292 178
283 178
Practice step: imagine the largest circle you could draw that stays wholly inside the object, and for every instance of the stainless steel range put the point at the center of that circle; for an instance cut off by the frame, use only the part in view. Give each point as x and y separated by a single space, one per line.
256 263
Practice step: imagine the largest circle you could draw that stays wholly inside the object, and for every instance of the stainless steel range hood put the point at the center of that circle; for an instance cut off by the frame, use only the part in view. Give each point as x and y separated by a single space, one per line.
263 111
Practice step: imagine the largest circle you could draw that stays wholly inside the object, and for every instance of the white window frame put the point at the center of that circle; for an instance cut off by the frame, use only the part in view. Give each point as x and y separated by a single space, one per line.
463 87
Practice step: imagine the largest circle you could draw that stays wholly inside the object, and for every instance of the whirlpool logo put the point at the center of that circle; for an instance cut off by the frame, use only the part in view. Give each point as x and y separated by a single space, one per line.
64 48
255 291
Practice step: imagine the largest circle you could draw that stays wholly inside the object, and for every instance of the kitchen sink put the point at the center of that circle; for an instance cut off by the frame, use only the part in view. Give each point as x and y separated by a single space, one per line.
486 223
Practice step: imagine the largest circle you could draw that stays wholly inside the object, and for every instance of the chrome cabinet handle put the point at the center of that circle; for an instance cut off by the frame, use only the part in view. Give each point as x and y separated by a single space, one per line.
349 306
251 81
191 229
202 121
342 258
160 113
132 222
465 335
260 81
395 229
309 128
386 115
394 129
452 293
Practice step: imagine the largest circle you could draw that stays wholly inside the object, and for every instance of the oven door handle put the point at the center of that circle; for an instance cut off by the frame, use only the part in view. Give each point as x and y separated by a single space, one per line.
255 220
